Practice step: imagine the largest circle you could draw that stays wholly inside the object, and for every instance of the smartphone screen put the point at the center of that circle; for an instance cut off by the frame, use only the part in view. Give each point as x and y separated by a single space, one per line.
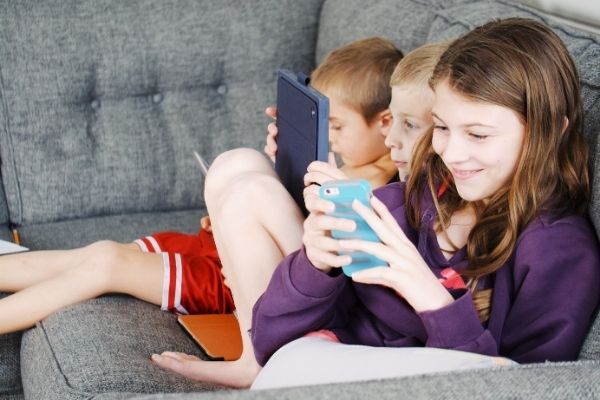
342 194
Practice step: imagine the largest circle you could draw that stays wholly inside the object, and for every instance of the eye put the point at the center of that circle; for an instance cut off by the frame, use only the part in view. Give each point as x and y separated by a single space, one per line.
335 127
478 137
409 125
440 129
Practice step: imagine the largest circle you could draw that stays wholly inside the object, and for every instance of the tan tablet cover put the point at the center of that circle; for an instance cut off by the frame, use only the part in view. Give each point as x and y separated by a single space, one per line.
217 334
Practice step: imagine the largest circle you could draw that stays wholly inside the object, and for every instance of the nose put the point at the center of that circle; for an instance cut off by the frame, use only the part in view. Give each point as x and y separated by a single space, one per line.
392 140
454 149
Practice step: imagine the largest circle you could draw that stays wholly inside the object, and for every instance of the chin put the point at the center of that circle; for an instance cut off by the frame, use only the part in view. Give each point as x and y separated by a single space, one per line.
469 195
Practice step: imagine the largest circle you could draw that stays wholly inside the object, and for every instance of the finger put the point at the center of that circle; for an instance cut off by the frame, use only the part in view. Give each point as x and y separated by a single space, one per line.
324 243
387 217
329 223
179 356
380 250
314 203
318 256
182 367
331 159
269 153
385 234
327 169
271 111
377 276
272 130
321 176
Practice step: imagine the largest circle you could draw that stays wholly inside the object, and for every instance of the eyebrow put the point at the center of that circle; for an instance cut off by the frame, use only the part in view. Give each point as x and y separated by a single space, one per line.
467 125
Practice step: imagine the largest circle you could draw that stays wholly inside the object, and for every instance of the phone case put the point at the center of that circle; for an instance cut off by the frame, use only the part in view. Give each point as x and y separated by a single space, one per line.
303 131
342 193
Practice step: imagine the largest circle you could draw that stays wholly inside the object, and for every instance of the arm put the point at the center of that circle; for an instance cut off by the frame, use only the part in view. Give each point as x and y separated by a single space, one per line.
299 299
556 280
544 314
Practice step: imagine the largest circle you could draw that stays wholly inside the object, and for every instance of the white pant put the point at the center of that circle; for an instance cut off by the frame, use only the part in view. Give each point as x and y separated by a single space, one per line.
313 361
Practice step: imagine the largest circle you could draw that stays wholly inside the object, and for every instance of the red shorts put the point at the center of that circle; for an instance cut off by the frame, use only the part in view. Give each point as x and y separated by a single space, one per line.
192 280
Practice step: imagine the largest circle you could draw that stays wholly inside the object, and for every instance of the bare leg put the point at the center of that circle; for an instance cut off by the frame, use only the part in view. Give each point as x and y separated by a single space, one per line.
255 223
22 270
104 267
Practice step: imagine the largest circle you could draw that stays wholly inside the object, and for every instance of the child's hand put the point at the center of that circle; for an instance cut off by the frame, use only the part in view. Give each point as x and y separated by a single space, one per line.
319 172
271 146
408 274
205 223
321 248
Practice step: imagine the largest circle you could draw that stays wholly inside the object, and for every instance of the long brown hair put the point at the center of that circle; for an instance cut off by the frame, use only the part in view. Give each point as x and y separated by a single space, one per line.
523 65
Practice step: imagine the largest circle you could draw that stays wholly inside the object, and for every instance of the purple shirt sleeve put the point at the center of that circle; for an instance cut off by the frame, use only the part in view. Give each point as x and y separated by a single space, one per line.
299 299
555 285
556 282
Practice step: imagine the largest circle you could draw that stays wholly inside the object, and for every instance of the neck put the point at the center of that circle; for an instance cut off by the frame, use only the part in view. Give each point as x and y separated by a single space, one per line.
378 172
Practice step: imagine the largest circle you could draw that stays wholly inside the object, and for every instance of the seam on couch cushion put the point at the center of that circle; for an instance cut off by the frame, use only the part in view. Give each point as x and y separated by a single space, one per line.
11 173
49 358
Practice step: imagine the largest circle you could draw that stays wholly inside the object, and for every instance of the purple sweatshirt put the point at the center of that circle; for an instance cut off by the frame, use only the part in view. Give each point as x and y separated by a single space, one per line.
542 305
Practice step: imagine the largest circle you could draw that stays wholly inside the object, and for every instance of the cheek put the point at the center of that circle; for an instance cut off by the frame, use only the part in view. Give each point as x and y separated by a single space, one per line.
438 143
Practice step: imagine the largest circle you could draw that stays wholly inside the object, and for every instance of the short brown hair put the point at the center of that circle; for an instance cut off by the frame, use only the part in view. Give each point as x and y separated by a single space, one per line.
359 73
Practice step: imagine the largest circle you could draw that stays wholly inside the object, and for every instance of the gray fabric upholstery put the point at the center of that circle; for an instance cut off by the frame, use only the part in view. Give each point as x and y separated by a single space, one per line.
10 366
10 345
114 96
102 103
540 381
122 228
103 345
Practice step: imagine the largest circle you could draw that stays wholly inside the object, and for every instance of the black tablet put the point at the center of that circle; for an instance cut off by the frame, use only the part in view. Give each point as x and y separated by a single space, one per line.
303 131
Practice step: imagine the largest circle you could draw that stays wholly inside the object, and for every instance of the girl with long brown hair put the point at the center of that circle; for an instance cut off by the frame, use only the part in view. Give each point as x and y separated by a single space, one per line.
488 246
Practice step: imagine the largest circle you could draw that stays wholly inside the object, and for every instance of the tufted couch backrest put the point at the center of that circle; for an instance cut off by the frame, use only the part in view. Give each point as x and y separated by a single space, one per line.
103 102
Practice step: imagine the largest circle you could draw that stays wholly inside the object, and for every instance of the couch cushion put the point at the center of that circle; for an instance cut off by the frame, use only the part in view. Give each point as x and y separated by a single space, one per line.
405 22
103 102
552 381
10 370
102 346
10 366
122 228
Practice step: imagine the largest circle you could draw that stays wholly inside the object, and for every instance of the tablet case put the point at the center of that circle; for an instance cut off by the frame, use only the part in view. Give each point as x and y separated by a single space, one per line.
303 131
217 334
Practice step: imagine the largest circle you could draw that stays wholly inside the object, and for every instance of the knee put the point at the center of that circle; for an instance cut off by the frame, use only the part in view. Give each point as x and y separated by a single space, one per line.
101 260
248 192
229 166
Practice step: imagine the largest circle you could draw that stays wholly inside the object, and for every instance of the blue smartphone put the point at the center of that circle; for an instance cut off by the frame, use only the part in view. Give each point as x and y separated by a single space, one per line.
342 194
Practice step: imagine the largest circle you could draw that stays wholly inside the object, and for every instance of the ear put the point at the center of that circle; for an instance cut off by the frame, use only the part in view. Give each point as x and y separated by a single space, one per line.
565 124
384 121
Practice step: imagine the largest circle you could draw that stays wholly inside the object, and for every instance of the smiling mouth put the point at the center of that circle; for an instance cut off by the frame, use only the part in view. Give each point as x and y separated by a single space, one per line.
401 164
465 173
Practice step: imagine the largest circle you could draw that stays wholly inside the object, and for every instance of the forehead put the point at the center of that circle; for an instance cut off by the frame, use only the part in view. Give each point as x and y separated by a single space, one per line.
411 99
457 109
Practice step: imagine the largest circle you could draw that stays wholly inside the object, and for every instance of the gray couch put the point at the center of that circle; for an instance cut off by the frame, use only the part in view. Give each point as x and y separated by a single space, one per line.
102 103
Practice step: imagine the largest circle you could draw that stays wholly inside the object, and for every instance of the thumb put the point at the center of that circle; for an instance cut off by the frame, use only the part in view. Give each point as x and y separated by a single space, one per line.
331 159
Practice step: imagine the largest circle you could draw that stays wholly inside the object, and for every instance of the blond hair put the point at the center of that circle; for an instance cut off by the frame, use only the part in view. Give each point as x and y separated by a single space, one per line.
416 68
359 74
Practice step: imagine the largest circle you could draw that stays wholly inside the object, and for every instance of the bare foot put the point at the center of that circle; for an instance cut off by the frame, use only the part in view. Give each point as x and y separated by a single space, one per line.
237 374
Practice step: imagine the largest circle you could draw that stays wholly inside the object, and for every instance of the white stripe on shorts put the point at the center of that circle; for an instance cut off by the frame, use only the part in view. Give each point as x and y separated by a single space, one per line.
154 244
179 279
166 281
141 244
